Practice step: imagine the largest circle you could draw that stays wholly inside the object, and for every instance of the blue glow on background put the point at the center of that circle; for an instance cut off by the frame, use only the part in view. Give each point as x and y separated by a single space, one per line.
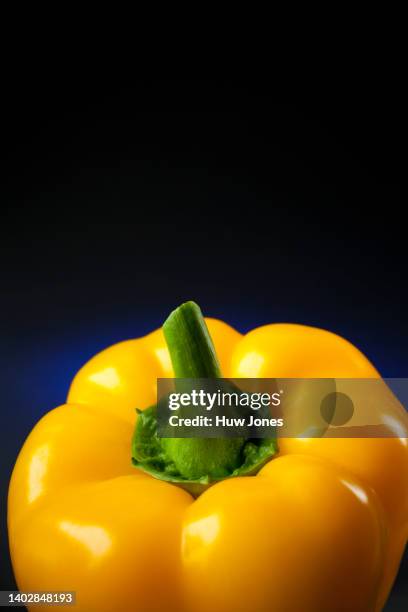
38 375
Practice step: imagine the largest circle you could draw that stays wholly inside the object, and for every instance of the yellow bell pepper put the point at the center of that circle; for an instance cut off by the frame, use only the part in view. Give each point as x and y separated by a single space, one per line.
321 527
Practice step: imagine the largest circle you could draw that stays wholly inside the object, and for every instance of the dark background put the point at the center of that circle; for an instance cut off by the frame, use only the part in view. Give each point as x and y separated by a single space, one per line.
119 204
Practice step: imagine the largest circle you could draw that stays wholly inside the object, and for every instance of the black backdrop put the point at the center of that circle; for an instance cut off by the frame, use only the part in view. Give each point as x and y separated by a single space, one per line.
120 203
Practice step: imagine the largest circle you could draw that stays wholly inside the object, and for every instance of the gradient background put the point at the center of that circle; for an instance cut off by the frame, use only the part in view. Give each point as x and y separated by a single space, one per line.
119 204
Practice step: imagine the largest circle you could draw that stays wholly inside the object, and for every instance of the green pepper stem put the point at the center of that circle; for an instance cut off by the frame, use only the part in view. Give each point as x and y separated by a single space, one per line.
193 463
190 346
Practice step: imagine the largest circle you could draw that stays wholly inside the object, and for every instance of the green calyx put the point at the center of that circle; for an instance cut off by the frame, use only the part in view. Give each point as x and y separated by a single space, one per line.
194 463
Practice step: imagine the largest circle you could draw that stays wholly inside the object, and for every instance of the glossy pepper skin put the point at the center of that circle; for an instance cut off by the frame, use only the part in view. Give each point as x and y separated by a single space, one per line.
321 527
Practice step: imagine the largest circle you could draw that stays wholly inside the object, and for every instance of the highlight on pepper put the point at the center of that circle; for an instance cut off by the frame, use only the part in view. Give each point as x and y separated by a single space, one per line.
102 506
